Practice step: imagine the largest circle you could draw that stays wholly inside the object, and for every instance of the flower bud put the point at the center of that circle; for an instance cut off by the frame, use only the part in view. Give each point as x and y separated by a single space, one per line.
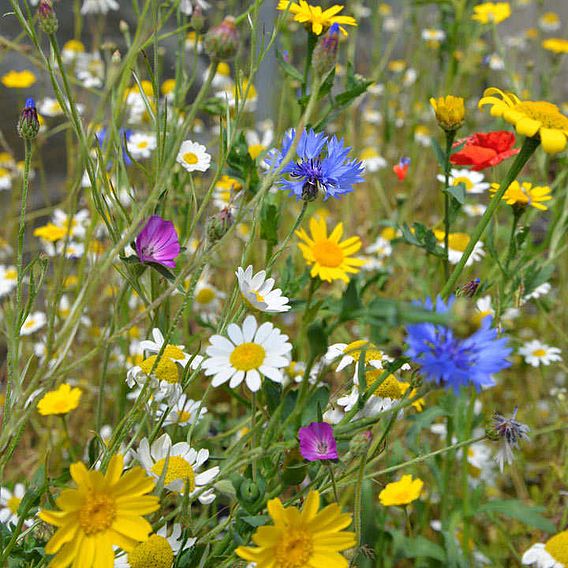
450 112
218 225
325 52
222 41
469 289
197 19
28 125
360 443
47 17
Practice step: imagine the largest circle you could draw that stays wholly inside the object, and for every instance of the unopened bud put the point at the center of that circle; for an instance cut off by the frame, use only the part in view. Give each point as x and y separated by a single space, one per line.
222 41
197 19
325 52
469 289
359 444
123 27
28 125
47 17
450 112
218 225
116 57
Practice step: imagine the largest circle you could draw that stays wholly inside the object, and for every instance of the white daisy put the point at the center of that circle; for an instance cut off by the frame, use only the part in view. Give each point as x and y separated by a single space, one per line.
183 412
193 41
473 181
423 136
78 225
99 6
259 141
539 291
9 504
158 545
249 352
474 209
258 293
551 554
193 157
34 322
549 22
351 352
495 62
5 179
457 243
8 279
372 160
431 34
207 299
536 353
187 6
141 145
90 69
381 247
184 464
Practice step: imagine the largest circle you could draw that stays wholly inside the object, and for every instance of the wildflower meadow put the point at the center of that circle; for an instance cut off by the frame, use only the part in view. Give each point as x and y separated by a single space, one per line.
283 283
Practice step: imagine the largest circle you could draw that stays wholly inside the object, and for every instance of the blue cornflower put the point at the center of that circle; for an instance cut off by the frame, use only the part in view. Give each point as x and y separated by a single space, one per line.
124 134
456 361
322 164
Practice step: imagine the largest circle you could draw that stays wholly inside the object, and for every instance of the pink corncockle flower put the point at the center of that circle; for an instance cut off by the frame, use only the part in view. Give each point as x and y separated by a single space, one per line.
158 242
317 442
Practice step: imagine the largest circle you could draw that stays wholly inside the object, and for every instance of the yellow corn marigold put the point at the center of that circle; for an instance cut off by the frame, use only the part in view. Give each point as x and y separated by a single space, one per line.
525 194
320 20
401 492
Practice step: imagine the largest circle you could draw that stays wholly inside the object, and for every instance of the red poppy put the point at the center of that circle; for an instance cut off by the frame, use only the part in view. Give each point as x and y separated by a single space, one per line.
485 149
401 169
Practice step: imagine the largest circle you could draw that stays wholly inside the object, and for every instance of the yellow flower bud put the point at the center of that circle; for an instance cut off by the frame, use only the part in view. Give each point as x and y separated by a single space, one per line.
450 111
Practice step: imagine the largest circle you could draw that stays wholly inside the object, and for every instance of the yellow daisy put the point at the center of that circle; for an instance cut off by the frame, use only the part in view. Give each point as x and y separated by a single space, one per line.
556 45
536 119
60 401
329 258
18 79
301 539
101 512
319 19
401 492
525 194
491 12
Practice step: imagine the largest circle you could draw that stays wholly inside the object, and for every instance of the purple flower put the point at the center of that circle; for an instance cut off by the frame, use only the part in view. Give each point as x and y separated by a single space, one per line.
158 242
317 442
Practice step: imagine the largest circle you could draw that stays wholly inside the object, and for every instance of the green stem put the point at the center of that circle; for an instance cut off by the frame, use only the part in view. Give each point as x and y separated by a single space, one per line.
333 484
517 214
450 136
527 150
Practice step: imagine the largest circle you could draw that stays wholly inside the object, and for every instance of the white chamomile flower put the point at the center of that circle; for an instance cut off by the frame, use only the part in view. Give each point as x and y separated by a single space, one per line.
193 157
549 22
99 6
423 136
34 322
183 467
536 353
474 209
183 412
372 160
495 62
78 224
90 69
550 554
259 141
186 6
5 179
539 291
10 503
434 35
207 299
49 107
257 291
473 181
457 243
8 279
158 550
249 352
351 352
140 145
381 247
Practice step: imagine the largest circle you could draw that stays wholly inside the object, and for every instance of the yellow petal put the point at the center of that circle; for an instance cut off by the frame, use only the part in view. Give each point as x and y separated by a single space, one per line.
553 141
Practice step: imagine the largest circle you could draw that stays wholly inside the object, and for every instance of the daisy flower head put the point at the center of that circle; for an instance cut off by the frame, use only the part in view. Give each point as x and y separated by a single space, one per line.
556 45
550 554
248 352
8 279
140 145
98 6
10 503
329 257
183 465
536 353
208 299
18 79
183 412
473 181
457 243
315 18
524 194
401 492
258 292
158 242
491 12
34 322
450 111
60 401
100 512
322 164
372 160
452 361
301 538
351 352
536 119
193 157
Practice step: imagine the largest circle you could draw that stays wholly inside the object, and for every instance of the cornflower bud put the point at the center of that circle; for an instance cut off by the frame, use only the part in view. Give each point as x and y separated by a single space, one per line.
325 52
450 112
222 41
47 18
469 289
28 125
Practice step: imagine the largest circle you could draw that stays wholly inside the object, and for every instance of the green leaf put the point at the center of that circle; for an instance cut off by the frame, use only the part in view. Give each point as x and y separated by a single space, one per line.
317 338
289 69
421 547
269 219
440 154
527 514
457 192
256 520
350 301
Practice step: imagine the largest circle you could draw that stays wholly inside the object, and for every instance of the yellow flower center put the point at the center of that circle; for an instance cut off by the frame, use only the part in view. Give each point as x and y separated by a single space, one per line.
205 296
539 352
156 552
545 112
458 241
166 369
294 549
13 504
390 387
143 144
11 274
255 150
466 181
190 158
184 416
557 547
259 297
328 254
4 172
30 323
50 232
354 350
97 513
178 468
368 153
247 356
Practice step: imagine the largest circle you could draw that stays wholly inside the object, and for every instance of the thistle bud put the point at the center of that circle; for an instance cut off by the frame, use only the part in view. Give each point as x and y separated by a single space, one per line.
222 41
28 125
450 112
325 52
197 19
218 225
47 17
